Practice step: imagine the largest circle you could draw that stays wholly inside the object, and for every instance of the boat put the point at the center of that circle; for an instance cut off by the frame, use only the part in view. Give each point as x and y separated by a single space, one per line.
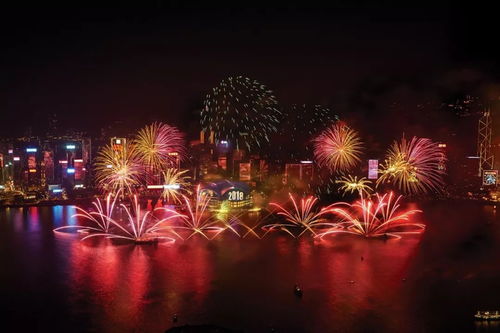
146 240
487 315
298 291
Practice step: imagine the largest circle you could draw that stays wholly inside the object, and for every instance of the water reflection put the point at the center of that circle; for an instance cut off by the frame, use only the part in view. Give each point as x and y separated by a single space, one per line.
134 284
63 215
430 282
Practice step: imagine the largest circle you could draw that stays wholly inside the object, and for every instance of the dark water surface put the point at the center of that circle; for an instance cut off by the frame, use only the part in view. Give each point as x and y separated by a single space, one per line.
432 282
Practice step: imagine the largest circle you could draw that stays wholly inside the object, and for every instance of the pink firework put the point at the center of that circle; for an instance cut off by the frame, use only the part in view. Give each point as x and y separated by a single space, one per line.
303 214
137 226
338 148
160 146
101 218
371 218
415 166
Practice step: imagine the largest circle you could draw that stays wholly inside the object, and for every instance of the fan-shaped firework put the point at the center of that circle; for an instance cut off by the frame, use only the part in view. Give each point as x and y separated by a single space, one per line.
302 215
338 148
100 218
300 123
138 226
374 219
175 183
145 227
118 170
414 166
159 146
352 184
198 219
241 111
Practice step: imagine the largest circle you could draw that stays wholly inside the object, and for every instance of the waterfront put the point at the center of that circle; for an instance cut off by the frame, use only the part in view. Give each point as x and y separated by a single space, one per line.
429 282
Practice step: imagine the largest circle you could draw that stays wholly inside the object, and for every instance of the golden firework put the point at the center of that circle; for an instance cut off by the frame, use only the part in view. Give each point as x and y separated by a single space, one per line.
338 147
175 183
414 166
352 184
118 170
159 146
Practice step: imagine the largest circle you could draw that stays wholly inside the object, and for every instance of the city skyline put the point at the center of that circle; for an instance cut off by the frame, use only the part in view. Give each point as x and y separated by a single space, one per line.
174 167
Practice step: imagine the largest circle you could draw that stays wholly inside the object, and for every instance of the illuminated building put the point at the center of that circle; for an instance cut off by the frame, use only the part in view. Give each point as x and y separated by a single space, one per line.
205 157
118 144
32 163
228 194
3 169
32 172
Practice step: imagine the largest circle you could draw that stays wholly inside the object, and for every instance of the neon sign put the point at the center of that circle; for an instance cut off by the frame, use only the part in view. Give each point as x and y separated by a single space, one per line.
235 195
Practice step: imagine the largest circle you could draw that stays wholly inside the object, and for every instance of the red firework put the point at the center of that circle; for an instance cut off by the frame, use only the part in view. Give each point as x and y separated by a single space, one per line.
374 218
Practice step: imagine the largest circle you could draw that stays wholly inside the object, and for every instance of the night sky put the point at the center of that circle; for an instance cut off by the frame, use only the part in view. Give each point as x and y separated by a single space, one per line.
95 66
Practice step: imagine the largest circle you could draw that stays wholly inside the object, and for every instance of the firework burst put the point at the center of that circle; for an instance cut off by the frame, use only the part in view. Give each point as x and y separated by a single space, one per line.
338 148
374 218
159 146
303 214
352 184
118 170
175 184
241 111
414 166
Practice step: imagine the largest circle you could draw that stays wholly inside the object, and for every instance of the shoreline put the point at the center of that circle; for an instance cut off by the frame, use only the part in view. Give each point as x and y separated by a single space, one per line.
74 202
